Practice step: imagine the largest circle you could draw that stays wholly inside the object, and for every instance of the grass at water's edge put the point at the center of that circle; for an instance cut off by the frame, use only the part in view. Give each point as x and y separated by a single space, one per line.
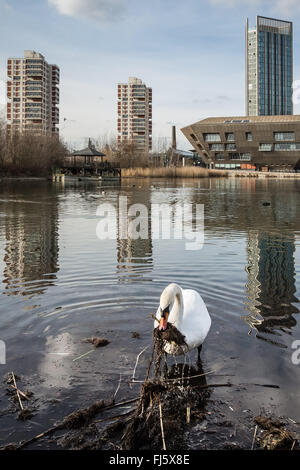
173 172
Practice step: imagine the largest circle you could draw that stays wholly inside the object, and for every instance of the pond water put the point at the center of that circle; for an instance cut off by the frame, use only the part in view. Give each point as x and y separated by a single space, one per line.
59 284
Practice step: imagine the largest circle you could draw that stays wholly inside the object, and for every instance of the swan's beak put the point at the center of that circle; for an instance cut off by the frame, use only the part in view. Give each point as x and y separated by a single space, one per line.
163 322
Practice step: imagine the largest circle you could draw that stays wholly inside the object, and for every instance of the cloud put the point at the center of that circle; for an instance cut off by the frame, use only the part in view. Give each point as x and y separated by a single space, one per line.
233 3
98 10
223 98
283 7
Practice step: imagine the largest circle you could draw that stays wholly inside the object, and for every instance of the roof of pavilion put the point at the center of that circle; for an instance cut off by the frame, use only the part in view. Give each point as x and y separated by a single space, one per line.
89 151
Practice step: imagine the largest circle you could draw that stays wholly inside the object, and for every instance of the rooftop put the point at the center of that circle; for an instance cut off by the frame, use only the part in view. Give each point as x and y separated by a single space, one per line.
248 119
89 151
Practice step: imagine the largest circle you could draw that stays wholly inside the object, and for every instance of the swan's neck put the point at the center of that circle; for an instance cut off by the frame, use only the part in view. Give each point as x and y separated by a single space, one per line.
176 313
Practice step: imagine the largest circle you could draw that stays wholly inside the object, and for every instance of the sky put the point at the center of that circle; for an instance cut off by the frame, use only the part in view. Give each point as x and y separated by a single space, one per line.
191 52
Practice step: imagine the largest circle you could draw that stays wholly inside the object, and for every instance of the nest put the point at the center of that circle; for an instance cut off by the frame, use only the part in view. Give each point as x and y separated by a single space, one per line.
162 402
171 334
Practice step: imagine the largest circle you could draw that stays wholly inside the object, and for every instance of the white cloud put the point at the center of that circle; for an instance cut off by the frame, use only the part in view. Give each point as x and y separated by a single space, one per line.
283 7
287 7
99 10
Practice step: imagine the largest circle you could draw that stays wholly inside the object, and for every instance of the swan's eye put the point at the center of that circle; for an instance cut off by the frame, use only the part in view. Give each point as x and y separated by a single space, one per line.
165 311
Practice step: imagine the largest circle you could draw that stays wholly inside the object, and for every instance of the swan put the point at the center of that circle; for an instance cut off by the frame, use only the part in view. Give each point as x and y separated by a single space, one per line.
186 310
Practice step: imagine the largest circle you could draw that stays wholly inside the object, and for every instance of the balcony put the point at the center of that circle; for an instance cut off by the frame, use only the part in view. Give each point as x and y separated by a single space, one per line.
36 73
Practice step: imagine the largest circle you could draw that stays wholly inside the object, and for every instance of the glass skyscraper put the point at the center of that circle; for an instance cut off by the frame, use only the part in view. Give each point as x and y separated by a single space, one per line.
269 67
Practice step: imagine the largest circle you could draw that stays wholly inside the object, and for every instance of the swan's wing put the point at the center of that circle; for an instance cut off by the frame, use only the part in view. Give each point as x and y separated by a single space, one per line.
196 319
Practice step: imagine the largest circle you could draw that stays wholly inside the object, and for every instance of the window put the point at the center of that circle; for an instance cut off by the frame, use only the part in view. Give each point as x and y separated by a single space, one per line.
287 147
265 147
230 147
219 156
216 147
229 136
212 137
193 137
249 136
246 156
234 156
284 136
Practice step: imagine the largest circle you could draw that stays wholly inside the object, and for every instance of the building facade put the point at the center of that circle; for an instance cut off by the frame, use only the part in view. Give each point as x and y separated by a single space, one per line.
269 67
135 114
32 95
268 142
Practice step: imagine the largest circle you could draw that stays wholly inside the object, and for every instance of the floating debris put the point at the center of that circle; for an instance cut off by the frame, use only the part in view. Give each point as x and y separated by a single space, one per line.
25 414
82 417
97 342
135 334
275 436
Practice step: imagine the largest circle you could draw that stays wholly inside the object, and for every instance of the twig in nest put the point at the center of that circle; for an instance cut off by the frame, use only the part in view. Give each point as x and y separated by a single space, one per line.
137 361
21 393
254 436
154 317
188 415
119 384
162 427
292 448
17 391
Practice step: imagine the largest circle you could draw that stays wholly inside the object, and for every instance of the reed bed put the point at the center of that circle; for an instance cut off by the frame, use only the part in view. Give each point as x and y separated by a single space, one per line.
172 172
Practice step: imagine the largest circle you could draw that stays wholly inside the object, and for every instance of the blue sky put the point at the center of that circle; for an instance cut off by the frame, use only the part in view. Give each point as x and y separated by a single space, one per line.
190 52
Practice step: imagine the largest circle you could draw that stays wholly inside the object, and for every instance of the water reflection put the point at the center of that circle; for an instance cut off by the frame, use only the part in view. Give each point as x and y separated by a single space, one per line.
134 256
271 283
31 245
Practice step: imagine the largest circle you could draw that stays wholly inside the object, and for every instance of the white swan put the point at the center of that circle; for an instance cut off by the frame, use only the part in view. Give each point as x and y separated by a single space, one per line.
186 310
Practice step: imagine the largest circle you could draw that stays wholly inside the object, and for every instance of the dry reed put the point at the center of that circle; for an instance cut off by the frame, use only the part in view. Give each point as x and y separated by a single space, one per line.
172 172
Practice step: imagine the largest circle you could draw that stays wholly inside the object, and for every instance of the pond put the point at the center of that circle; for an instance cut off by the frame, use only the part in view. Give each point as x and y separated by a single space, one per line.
60 283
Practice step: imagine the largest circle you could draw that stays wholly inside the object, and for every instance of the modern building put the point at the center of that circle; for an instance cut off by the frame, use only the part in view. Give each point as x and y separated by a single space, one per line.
32 94
269 67
251 142
135 114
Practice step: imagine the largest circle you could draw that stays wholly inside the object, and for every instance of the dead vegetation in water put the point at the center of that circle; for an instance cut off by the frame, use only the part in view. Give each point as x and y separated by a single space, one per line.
135 335
97 342
161 416
275 435
172 402
82 417
18 396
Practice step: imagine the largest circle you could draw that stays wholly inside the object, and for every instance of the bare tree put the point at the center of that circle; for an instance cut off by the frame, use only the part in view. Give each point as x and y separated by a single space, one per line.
30 154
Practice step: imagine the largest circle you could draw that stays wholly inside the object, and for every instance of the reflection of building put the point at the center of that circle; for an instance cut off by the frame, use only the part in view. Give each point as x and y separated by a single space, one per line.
269 67
135 114
33 94
31 250
135 256
247 142
271 282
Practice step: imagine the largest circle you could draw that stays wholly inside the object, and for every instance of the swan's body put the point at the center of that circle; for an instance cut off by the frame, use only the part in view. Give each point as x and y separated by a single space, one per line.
186 310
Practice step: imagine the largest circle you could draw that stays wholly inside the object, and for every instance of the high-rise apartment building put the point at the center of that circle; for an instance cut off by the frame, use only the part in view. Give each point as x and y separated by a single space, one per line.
32 94
269 67
135 114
